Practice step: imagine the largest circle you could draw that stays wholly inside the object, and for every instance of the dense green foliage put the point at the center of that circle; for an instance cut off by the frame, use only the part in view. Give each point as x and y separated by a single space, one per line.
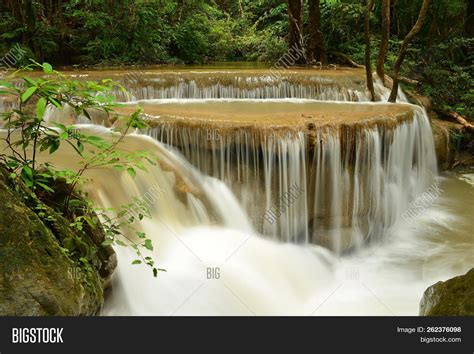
116 32
144 32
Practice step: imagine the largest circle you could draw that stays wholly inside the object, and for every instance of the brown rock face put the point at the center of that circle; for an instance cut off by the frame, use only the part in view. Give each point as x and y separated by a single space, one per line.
454 297
444 135
46 267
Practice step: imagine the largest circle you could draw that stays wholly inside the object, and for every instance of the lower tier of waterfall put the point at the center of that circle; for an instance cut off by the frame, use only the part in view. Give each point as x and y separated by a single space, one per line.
257 276
216 264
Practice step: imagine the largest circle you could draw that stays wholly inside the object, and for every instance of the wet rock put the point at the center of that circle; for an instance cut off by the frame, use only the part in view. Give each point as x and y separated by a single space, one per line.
48 268
444 136
454 297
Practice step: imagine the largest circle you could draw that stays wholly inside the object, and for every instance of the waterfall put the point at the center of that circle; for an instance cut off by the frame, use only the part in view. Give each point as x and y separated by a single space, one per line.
187 197
258 203
336 186
259 276
364 180
242 85
177 195
328 85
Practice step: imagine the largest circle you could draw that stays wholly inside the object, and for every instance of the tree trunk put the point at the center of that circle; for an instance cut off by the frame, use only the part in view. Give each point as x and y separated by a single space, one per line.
384 40
368 65
295 16
469 22
316 50
461 120
30 11
401 55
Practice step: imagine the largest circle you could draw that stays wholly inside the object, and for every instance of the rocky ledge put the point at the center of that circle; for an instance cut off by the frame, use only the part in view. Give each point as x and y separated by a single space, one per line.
48 268
453 297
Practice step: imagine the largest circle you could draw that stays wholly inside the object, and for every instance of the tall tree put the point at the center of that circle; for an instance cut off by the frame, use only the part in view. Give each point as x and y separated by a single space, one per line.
368 64
469 22
401 54
295 17
384 40
316 50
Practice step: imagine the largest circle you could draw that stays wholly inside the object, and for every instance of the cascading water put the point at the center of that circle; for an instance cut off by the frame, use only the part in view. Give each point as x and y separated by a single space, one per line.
308 280
328 85
334 185
241 87
257 275
364 179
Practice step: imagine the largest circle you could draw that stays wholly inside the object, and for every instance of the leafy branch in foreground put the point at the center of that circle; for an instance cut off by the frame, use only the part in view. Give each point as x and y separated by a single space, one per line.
28 134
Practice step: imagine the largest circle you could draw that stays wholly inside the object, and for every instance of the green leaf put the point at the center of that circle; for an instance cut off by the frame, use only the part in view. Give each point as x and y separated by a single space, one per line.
54 146
28 93
107 242
27 171
80 146
148 245
7 84
47 68
120 243
12 164
30 81
131 171
137 261
63 135
55 102
141 234
45 187
60 126
74 203
41 107
27 175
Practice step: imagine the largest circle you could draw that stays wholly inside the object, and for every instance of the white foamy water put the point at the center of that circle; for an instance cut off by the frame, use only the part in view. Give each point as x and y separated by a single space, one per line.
262 277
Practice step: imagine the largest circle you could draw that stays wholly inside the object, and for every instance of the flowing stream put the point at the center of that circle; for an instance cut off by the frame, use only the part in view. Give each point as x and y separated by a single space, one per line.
350 241
222 267
262 276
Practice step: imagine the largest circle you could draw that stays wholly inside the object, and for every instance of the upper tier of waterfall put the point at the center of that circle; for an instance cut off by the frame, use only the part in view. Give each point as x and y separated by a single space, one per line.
343 84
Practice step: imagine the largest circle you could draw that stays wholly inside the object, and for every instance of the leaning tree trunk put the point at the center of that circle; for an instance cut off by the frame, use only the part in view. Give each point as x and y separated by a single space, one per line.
316 50
384 40
401 55
368 65
295 16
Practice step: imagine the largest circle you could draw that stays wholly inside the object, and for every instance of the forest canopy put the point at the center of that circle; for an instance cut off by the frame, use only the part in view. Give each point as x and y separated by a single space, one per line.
126 32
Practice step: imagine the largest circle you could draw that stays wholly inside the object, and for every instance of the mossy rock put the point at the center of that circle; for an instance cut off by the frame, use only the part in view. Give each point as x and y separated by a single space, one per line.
454 297
48 268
